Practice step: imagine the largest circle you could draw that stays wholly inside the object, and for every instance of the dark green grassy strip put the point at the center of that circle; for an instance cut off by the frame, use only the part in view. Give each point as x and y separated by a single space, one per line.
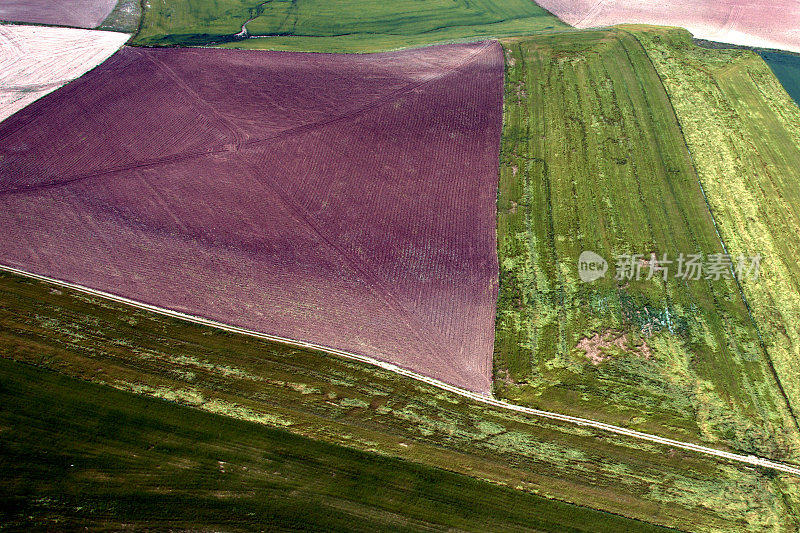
341 26
75 454
593 159
787 69
336 401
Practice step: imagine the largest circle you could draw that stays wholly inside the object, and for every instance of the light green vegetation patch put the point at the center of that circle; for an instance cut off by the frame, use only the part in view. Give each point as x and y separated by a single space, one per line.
125 17
369 409
339 26
593 159
743 130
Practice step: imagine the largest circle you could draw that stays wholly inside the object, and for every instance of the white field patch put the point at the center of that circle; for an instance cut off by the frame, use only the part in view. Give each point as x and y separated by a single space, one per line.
760 23
36 60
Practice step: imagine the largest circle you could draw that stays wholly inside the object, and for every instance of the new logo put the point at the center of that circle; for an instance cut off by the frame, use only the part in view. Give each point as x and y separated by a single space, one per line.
591 266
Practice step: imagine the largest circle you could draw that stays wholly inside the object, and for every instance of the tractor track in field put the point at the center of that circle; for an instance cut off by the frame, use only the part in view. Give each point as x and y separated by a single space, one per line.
750 460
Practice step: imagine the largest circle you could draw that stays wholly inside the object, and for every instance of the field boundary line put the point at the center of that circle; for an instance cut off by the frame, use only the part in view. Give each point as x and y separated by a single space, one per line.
751 460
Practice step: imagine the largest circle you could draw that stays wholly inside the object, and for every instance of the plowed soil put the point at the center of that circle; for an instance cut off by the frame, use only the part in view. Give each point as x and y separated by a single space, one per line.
342 200
76 13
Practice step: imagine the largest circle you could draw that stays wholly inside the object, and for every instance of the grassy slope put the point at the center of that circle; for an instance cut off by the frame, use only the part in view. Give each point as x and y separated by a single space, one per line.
341 402
341 26
118 458
744 134
593 159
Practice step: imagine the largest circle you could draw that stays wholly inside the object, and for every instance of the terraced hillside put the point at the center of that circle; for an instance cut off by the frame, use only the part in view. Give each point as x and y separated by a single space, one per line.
315 395
593 159
341 26
744 133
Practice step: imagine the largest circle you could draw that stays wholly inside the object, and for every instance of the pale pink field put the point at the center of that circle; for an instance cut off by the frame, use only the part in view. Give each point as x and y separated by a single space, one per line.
769 24
36 60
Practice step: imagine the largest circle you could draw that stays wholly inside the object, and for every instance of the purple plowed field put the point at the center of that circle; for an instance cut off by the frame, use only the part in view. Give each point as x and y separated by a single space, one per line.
343 200
77 13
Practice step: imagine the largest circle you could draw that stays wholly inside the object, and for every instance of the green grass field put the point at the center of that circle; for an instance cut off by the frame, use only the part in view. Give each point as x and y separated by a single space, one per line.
116 458
593 159
338 402
744 133
339 26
